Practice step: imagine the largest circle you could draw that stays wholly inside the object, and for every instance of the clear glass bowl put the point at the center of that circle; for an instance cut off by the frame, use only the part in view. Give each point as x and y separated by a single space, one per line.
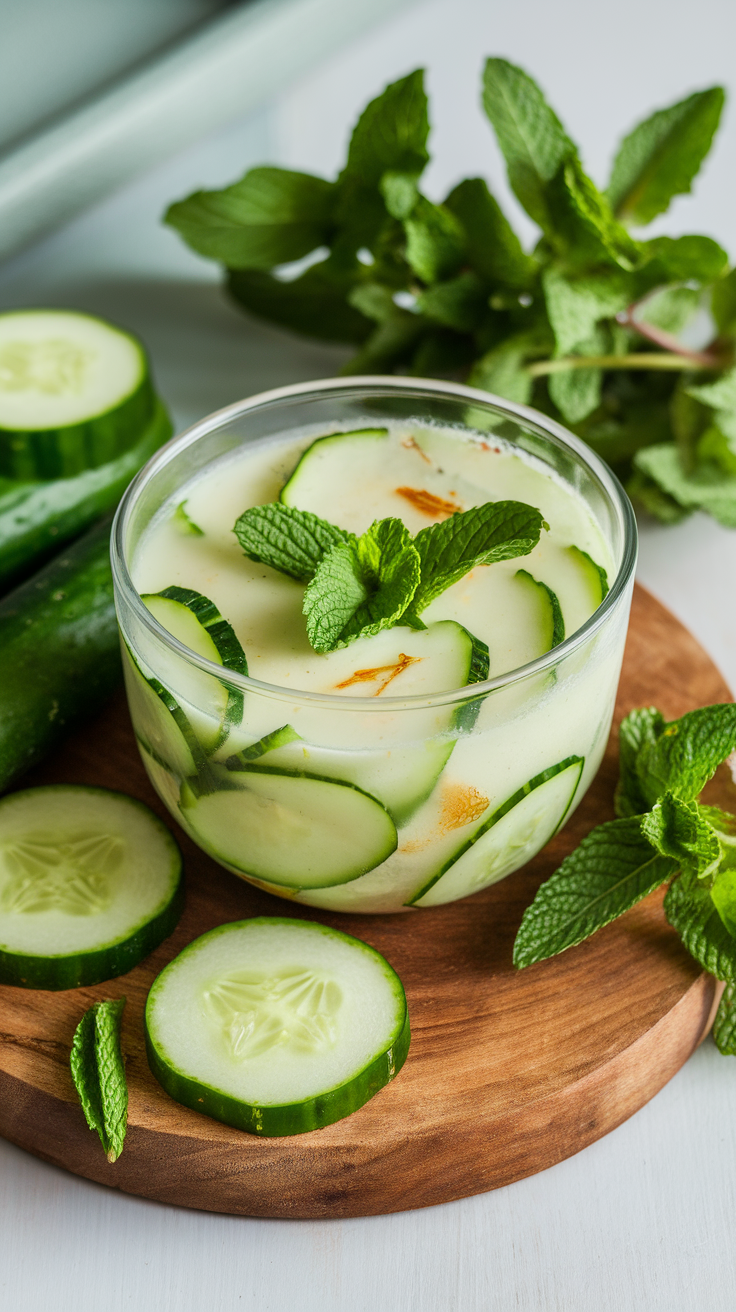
514 755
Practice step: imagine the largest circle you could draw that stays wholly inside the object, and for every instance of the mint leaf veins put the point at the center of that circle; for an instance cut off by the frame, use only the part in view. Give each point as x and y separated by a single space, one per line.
98 1073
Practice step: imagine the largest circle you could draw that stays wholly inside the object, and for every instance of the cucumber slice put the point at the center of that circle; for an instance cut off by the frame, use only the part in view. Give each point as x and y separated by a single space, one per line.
551 626
276 1026
285 828
160 724
90 883
594 575
331 457
196 621
516 831
184 524
401 778
74 393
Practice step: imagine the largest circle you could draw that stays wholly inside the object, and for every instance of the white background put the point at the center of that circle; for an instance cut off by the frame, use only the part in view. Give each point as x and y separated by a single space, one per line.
644 1220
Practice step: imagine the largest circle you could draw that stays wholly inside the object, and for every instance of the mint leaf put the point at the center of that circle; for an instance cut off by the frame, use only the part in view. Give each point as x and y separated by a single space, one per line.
391 133
691 910
720 394
670 308
493 247
724 1026
392 342
498 530
654 499
362 587
687 753
290 540
575 304
723 303
613 868
529 133
638 727
459 303
581 224
272 216
400 192
434 241
503 371
576 392
98 1073
723 893
683 258
677 829
660 158
704 489
314 304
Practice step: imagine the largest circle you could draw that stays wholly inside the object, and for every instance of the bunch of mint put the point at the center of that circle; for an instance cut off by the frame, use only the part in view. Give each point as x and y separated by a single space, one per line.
591 327
664 835
358 586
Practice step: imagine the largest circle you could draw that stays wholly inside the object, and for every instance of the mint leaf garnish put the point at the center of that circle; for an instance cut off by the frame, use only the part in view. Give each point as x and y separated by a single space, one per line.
687 753
98 1073
691 910
724 1026
292 541
678 829
661 156
363 587
613 868
498 530
639 727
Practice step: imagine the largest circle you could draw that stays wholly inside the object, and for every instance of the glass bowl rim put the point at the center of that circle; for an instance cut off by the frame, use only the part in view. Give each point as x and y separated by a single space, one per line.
531 418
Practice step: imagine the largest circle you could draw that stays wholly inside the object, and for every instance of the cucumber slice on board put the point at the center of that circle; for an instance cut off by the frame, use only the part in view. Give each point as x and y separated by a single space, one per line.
400 778
287 829
276 1026
196 621
90 883
37 518
516 831
551 626
75 392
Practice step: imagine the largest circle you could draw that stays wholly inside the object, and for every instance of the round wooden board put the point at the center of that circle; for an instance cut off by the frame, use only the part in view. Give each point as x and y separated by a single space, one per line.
508 1071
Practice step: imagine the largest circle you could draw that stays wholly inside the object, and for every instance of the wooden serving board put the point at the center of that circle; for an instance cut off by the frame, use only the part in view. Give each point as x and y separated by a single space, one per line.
508 1072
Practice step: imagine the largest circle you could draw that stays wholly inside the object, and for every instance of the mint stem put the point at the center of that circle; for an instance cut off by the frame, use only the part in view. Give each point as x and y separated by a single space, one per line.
636 360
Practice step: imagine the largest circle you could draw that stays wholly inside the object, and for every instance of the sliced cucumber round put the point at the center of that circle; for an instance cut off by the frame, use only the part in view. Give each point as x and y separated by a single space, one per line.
196 621
276 1026
334 456
90 883
594 575
288 829
75 392
550 624
512 835
160 724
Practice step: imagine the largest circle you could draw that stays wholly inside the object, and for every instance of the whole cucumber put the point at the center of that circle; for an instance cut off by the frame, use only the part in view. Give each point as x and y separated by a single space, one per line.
37 518
59 652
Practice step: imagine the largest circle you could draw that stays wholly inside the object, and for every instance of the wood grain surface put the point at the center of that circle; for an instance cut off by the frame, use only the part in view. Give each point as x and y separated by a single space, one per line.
508 1072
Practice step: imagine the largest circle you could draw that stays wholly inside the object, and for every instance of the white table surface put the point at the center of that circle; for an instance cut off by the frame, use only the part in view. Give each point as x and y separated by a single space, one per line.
642 1221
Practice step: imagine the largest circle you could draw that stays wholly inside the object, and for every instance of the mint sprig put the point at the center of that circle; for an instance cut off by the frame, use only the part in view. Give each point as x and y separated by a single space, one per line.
664 836
358 586
591 325
98 1073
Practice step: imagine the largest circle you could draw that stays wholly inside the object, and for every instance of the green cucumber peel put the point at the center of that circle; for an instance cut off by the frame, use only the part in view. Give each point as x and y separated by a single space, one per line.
357 586
573 325
98 1072
664 835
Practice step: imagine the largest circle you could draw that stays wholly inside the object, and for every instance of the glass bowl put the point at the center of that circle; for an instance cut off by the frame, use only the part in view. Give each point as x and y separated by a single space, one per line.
505 762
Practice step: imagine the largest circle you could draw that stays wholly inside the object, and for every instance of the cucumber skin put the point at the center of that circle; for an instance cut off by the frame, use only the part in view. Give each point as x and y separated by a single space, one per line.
38 518
84 969
59 652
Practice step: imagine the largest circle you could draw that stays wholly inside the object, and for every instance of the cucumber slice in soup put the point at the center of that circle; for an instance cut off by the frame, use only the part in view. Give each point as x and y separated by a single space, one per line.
286 828
594 575
90 883
514 833
161 726
197 623
550 624
276 1026
74 393
331 457
399 777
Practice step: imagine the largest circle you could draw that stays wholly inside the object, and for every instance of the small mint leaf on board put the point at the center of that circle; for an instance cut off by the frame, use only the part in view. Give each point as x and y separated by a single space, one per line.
362 587
529 133
289 540
493 247
98 1073
613 868
638 727
272 216
660 157
677 829
691 910
498 530
724 1025
687 753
